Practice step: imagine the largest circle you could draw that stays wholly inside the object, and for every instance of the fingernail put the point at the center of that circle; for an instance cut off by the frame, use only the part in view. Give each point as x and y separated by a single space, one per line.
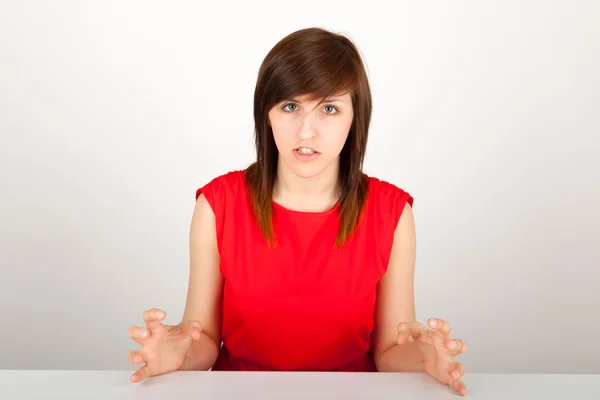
159 314
400 337
143 332
433 322
452 344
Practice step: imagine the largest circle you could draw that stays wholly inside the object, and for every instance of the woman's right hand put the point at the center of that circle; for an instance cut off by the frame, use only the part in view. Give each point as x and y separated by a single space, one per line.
164 347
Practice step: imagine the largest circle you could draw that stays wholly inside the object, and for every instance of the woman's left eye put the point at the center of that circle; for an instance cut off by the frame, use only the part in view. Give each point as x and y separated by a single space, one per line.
334 110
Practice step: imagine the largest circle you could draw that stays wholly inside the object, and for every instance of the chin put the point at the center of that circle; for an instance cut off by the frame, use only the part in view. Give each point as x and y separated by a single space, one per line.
305 170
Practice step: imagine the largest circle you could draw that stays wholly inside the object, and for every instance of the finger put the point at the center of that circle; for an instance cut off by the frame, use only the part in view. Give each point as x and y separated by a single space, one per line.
137 357
153 317
440 325
456 346
414 329
138 334
140 374
459 387
457 371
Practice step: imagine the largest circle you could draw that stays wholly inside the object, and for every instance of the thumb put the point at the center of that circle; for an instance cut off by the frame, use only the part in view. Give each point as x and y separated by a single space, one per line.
414 329
191 328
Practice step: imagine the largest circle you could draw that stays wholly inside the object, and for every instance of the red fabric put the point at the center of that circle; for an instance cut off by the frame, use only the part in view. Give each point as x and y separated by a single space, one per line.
300 305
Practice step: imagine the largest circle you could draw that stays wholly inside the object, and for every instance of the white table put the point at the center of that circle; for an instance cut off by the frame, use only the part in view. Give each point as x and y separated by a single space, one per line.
115 385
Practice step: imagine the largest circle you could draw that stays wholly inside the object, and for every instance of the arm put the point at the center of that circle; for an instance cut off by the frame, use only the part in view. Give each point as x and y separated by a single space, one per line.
205 289
395 303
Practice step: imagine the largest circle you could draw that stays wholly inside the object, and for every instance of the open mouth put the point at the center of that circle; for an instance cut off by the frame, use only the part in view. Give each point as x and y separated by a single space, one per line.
306 151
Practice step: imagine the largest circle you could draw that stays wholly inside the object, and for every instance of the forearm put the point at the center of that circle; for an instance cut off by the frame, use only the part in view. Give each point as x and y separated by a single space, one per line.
401 358
202 354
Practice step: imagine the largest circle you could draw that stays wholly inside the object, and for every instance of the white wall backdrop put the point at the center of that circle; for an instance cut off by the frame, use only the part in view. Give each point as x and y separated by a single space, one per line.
112 114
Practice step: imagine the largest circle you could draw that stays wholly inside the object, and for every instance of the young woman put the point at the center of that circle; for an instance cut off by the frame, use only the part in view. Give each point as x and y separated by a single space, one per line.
301 262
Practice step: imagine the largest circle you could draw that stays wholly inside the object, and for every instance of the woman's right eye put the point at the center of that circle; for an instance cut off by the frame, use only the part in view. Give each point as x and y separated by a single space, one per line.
287 105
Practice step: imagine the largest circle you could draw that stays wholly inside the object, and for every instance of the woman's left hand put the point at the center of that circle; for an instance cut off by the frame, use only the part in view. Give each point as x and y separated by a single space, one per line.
438 350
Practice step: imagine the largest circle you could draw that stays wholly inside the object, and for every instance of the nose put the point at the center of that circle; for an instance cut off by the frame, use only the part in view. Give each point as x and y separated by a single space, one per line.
307 130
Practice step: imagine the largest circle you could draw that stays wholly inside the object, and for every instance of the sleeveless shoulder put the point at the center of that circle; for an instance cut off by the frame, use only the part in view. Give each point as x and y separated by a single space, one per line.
385 204
388 199
221 186
224 194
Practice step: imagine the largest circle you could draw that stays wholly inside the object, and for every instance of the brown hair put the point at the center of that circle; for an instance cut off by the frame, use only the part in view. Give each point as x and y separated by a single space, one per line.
319 64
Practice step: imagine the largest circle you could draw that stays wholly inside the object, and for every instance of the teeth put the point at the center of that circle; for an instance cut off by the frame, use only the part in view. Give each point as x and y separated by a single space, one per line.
304 150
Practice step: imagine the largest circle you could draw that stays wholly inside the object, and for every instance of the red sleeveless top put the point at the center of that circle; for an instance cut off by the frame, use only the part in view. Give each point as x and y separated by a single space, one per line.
300 305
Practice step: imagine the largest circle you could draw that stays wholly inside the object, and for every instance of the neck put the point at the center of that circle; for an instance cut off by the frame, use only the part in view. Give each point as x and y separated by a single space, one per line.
317 193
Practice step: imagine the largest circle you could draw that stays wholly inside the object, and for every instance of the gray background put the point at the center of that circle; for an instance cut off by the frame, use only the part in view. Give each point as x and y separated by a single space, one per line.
114 112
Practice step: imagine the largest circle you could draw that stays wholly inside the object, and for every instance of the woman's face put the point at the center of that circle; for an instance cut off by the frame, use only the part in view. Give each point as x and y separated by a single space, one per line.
310 136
